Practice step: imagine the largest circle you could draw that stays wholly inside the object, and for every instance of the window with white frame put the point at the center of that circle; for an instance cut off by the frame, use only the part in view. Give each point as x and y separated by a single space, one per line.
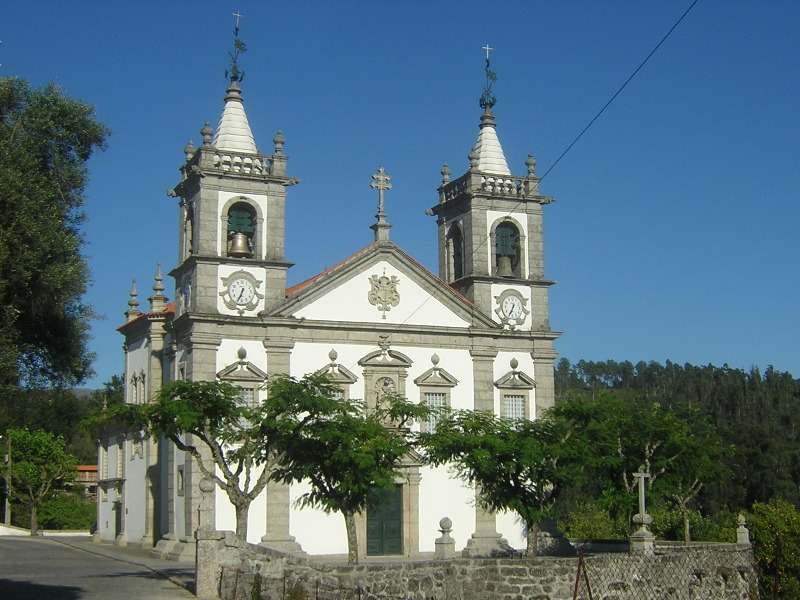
437 402
514 406
338 393
247 396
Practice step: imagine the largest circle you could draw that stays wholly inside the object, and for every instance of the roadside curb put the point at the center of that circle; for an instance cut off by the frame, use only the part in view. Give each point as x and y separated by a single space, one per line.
114 556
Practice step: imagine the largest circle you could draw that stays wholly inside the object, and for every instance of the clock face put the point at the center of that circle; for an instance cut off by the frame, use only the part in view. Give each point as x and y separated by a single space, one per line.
241 291
512 307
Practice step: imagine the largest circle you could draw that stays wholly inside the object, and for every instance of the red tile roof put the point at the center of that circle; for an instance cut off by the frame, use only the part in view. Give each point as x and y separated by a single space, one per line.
299 287
169 309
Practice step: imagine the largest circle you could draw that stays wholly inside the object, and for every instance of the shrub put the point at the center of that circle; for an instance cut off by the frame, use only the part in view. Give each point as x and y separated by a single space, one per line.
775 529
591 522
67 511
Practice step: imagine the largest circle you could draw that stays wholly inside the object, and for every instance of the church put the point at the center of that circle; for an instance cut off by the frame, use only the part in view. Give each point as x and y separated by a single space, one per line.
474 336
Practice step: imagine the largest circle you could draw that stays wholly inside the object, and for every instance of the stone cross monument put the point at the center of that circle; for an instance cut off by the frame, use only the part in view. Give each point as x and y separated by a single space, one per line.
642 540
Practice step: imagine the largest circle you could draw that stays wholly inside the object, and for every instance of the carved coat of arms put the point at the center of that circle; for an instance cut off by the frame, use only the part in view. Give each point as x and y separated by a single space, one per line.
384 292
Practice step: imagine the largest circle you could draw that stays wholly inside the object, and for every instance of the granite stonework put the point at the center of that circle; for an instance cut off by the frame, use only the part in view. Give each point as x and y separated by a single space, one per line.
697 572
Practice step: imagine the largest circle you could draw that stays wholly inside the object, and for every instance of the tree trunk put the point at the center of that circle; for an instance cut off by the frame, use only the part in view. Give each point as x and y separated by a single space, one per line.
352 538
34 520
686 536
241 521
533 540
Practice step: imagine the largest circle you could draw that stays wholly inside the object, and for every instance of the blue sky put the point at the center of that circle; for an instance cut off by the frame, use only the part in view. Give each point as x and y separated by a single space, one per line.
675 231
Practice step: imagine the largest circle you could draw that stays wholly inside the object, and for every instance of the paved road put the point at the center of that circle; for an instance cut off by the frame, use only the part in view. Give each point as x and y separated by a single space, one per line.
47 569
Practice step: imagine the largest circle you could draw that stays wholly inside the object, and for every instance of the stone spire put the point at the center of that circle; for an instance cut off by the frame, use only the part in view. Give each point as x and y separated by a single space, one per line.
133 303
233 131
487 151
158 301
381 182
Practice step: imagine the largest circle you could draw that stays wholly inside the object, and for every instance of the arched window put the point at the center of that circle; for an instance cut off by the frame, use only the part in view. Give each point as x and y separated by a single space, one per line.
241 230
455 247
507 250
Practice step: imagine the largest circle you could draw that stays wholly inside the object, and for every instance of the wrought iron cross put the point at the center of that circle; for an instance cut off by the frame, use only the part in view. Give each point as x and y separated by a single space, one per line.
236 17
488 49
381 182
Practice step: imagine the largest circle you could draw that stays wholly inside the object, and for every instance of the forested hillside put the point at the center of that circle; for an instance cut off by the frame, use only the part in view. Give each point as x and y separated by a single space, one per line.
757 414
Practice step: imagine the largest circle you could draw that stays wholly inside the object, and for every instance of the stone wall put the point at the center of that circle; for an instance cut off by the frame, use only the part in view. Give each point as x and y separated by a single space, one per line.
697 572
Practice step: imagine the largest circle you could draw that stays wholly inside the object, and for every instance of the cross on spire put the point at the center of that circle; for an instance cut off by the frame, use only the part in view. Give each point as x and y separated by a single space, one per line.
488 100
236 16
488 49
381 182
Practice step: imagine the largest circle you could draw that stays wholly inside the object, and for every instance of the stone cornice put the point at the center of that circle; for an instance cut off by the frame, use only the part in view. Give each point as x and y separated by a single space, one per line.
192 260
504 280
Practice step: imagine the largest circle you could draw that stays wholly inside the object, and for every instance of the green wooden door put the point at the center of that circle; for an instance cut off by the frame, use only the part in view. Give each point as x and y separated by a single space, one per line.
385 523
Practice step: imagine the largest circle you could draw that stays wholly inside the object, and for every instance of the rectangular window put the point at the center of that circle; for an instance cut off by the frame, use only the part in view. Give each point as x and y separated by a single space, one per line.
514 406
104 462
337 393
120 460
436 401
247 396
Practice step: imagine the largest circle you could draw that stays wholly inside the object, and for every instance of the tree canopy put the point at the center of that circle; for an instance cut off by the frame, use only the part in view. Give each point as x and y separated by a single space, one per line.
46 140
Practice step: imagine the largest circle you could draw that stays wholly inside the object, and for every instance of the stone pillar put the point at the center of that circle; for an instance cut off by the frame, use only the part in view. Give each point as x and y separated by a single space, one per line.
543 357
208 538
277 534
485 539
642 541
150 442
445 545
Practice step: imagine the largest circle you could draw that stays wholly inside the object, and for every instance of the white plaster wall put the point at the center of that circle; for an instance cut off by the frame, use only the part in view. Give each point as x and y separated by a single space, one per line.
348 302
511 527
442 495
225 515
134 493
521 220
225 271
525 291
502 366
259 199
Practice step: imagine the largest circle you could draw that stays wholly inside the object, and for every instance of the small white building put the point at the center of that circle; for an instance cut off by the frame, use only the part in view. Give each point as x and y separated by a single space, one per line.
475 336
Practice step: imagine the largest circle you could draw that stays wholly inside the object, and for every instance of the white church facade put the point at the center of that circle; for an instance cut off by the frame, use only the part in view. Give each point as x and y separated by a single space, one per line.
475 336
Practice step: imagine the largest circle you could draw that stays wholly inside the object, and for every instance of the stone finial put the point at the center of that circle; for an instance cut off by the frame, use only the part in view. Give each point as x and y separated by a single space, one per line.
207 134
530 163
445 544
742 533
279 141
474 159
189 150
133 303
241 353
333 355
435 359
514 364
445 174
158 300
158 283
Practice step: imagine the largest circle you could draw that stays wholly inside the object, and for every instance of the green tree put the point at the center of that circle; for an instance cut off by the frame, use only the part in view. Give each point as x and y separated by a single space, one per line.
520 466
46 140
776 545
36 463
345 451
231 442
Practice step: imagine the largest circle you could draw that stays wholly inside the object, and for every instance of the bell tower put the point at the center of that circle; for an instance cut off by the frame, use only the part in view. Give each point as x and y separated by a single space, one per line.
231 215
489 221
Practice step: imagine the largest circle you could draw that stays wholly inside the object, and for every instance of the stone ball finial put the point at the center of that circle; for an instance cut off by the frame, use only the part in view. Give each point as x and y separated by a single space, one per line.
514 363
741 520
435 359
445 173
473 160
531 164
207 133
445 525
241 353
206 485
188 150
333 355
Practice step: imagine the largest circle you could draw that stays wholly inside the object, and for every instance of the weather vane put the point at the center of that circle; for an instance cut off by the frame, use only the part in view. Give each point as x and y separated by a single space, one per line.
236 74
487 97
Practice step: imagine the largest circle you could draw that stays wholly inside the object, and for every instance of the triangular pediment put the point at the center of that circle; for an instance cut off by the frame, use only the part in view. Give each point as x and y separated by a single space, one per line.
436 377
515 380
338 374
381 284
242 370
385 358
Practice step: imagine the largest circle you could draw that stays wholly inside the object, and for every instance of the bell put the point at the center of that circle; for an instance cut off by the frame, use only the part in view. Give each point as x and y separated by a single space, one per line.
240 246
504 266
